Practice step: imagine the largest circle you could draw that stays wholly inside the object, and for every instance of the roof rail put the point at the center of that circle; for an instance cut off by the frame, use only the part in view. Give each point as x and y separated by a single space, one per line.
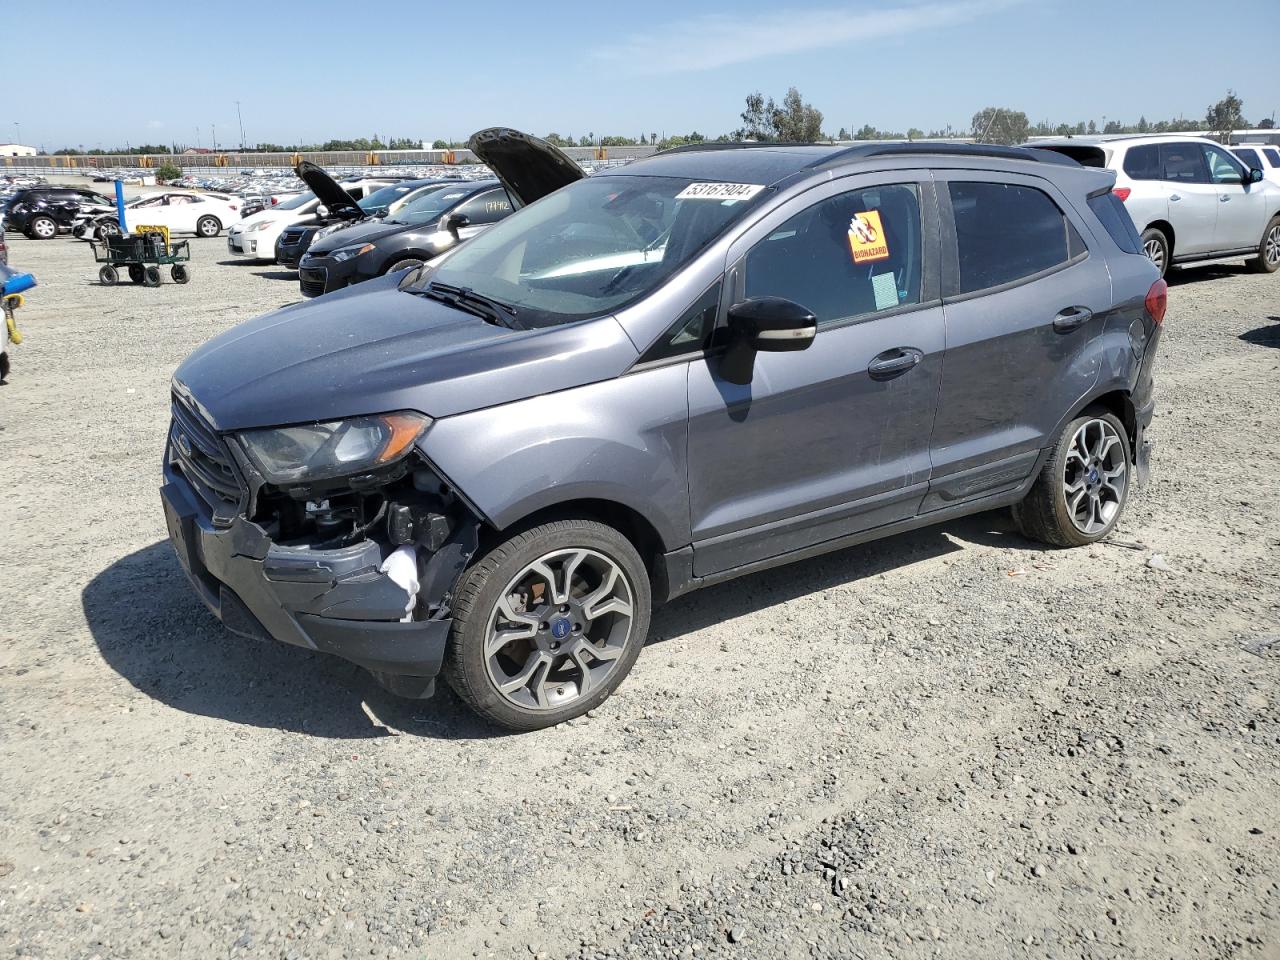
735 145
944 149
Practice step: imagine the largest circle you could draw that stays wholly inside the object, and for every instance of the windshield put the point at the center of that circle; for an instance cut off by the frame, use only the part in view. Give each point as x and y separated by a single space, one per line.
380 201
293 203
430 205
593 246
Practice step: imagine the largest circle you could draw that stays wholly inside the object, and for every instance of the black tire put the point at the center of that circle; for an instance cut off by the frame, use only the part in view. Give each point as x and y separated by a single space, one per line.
109 276
1156 245
481 589
1045 514
42 228
151 277
1268 258
406 264
136 273
180 273
104 230
208 226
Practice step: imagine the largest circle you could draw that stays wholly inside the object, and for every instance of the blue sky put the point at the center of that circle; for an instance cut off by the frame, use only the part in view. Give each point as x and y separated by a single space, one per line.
316 70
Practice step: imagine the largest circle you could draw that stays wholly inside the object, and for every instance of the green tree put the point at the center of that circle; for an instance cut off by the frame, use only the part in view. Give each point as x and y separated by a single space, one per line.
1000 125
168 171
915 133
1226 115
793 120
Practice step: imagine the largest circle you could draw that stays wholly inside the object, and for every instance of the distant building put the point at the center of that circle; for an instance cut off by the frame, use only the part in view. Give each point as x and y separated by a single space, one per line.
16 150
192 151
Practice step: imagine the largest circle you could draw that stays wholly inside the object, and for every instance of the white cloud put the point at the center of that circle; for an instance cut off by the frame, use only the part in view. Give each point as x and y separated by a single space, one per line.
718 39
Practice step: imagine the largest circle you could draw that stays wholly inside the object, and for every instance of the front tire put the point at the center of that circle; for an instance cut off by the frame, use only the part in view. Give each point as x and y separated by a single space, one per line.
547 624
105 230
1082 488
1268 258
109 276
151 277
208 227
180 273
1156 246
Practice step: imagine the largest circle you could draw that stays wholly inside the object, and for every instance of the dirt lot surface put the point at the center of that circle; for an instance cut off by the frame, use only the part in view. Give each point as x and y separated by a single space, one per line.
950 744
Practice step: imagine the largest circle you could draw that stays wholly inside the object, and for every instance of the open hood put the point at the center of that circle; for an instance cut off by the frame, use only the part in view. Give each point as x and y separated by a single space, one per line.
327 189
529 167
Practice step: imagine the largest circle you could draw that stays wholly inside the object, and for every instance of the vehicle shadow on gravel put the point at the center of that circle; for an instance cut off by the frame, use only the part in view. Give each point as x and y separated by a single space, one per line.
750 594
1193 274
278 275
153 630
1264 336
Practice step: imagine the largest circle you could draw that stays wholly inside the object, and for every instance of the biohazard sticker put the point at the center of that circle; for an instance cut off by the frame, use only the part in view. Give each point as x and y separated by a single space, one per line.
867 241
727 192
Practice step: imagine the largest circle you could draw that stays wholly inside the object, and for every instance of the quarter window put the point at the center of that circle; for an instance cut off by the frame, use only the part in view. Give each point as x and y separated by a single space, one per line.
1273 156
846 256
692 332
1143 163
1249 158
1110 211
1006 232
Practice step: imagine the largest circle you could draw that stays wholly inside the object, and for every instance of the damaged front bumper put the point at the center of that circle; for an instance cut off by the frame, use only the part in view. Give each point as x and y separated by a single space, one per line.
334 601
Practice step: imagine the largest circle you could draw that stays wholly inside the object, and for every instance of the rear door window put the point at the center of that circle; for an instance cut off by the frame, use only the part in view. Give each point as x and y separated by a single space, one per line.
1006 232
1143 163
1110 211
1273 156
1183 163
852 254
488 207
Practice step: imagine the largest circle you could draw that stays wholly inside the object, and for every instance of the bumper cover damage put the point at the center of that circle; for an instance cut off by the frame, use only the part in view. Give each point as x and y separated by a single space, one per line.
335 601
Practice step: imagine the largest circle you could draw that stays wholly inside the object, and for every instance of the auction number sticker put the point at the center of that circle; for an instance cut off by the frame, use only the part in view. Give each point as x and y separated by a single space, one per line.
866 238
720 191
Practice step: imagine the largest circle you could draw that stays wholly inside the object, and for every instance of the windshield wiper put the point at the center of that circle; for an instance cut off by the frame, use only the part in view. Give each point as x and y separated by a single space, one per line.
464 298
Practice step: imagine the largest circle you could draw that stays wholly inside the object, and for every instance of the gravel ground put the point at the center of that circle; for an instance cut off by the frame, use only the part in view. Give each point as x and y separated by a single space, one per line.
950 744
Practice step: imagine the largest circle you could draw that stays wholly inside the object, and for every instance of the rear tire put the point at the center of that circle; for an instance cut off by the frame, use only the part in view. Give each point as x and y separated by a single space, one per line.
208 227
105 230
136 273
1156 246
109 276
1082 488
180 273
42 228
573 641
1268 258
151 277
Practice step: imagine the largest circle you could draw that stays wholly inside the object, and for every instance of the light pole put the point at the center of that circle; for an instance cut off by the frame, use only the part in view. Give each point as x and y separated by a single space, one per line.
241 120
18 132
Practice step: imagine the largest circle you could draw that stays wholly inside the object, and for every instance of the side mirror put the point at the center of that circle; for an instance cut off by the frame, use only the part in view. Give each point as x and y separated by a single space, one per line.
322 211
771 324
455 222
1255 175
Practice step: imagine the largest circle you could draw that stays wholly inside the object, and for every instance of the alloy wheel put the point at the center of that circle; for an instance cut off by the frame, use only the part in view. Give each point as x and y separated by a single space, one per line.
1095 477
1271 246
559 629
44 228
1155 250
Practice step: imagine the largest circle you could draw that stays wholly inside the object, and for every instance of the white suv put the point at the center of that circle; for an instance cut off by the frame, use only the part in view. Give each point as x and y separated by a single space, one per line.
1260 156
1191 200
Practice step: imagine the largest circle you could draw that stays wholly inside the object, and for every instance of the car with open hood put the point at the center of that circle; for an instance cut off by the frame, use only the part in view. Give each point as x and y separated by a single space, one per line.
700 365
255 236
436 220
297 239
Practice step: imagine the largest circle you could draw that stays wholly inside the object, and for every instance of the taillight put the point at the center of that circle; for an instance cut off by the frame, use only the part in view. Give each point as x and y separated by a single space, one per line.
1158 301
1122 193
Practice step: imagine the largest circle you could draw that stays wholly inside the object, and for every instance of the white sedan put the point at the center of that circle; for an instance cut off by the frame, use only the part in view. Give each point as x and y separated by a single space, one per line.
204 214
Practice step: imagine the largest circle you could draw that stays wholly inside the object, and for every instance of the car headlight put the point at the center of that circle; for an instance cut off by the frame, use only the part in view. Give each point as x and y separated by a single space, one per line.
325 231
323 451
351 252
260 226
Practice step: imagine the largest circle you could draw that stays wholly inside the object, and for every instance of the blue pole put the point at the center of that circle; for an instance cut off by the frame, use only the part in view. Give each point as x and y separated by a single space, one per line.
120 205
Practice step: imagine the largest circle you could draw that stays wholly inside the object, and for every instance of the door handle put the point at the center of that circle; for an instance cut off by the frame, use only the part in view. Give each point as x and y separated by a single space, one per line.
1071 317
1176 197
1224 199
895 361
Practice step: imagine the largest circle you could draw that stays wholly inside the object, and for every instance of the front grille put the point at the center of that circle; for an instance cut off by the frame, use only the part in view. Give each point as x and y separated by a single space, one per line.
312 282
202 457
291 236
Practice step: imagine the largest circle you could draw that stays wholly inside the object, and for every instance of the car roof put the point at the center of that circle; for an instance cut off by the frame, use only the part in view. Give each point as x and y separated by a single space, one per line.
771 163
1122 139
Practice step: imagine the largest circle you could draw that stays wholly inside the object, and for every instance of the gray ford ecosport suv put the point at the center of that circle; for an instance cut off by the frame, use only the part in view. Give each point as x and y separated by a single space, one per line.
656 378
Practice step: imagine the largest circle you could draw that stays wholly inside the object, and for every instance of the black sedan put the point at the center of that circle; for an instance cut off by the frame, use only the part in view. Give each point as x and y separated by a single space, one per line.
427 226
